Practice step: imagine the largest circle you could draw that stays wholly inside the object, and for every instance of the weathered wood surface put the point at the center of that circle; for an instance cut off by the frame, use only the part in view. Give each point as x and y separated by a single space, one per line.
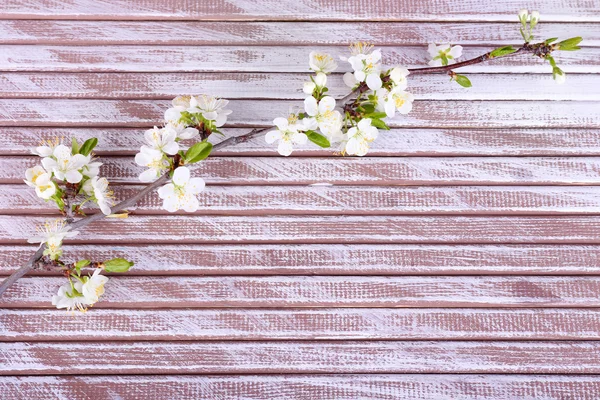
460 260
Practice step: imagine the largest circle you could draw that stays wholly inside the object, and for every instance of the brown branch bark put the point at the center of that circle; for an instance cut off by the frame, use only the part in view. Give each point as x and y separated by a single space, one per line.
32 262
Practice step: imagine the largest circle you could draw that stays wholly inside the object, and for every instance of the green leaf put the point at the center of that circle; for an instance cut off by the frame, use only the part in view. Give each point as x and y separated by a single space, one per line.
548 41
74 146
198 152
81 264
377 123
570 44
502 51
117 265
462 81
368 107
377 115
88 146
318 139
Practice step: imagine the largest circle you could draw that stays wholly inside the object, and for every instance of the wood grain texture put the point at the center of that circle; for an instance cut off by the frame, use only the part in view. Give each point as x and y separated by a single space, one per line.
305 324
27 358
273 33
282 86
130 58
396 142
322 291
324 229
305 259
306 387
293 10
349 200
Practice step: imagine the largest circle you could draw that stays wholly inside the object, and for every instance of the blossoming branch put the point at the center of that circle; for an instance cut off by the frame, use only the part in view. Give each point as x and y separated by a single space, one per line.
69 175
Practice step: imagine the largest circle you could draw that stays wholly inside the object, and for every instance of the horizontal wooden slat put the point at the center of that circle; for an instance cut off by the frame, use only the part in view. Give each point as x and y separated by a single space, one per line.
338 324
202 33
333 259
300 357
249 113
286 200
127 58
282 86
292 10
356 171
323 229
322 291
401 142
306 387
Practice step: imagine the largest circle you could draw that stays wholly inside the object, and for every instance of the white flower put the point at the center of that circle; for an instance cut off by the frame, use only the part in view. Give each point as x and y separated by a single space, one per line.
398 100
180 104
183 132
288 134
559 76
154 160
321 80
69 299
211 108
98 189
309 87
181 192
367 68
47 148
321 62
322 115
41 181
91 169
535 18
93 288
443 54
523 13
64 165
359 137
162 139
398 77
52 234
350 80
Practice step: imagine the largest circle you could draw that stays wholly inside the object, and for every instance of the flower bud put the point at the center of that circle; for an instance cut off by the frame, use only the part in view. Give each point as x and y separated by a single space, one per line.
309 87
523 16
321 79
559 75
535 17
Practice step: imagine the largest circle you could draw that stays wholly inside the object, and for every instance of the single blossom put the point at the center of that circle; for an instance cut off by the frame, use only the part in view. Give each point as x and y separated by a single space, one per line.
398 100
321 114
154 160
559 76
320 80
93 287
46 148
367 68
98 189
288 133
211 108
162 139
321 62
65 165
398 77
360 137
443 54
52 234
69 297
41 181
180 194
309 87
180 104
181 131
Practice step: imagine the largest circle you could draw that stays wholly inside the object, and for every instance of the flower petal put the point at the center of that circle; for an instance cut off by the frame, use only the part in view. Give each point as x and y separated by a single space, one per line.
181 176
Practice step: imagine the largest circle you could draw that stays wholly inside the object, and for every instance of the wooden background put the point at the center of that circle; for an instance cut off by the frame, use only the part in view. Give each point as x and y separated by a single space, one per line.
460 260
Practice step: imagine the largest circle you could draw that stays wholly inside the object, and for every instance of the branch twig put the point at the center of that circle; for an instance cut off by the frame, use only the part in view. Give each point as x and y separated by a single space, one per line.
33 261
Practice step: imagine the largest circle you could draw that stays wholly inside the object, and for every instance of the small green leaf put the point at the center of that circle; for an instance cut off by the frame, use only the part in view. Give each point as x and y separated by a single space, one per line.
377 123
368 107
198 152
548 41
462 81
570 44
74 146
88 146
117 265
502 51
377 115
81 264
318 139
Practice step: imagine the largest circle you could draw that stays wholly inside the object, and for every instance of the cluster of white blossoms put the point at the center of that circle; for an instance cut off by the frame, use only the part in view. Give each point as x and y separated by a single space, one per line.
190 117
69 171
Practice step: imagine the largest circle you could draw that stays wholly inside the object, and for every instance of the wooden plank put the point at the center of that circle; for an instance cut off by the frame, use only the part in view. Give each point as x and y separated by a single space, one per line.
322 291
300 357
397 142
128 58
305 324
239 33
306 387
323 229
281 86
306 259
294 10
356 171
331 200
250 113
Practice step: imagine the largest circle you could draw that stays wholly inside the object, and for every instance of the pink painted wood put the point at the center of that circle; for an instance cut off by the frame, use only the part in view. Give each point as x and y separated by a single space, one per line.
460 260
